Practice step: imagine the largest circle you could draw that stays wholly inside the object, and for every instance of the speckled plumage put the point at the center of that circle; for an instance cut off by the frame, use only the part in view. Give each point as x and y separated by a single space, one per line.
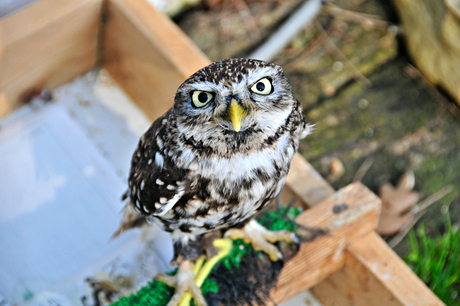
192 173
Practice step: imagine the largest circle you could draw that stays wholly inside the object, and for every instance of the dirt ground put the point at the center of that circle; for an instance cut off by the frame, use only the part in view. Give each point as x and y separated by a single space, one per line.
350 70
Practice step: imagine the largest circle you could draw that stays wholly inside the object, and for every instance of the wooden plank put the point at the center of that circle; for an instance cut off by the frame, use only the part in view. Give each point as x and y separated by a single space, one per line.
324 255
147 54
374 275
306 183
45 45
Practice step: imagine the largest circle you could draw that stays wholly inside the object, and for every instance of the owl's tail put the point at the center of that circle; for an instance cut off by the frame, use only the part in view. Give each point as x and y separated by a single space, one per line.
131 219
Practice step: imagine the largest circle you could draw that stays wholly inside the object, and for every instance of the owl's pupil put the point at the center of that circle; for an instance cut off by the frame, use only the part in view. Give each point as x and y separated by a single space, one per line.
203 97
260 86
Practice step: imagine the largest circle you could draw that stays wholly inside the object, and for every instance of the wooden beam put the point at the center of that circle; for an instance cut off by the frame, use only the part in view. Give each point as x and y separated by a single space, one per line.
347 215
374 275
147 54
45 45
306 183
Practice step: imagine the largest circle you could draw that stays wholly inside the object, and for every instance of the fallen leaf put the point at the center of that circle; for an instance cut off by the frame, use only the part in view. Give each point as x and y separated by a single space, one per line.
395 202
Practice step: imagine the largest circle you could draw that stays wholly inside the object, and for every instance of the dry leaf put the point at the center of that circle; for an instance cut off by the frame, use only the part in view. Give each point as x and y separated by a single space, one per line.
336 167
395 202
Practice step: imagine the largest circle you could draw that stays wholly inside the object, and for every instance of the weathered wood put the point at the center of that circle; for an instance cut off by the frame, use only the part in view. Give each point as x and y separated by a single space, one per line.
147 54
324 255
45 45
374 275
306 183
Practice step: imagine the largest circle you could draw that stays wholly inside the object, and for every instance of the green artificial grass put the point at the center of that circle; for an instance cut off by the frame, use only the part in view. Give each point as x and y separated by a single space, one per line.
437 261
157 293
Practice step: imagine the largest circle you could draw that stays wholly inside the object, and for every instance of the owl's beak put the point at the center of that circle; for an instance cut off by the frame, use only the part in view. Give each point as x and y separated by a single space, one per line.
236 114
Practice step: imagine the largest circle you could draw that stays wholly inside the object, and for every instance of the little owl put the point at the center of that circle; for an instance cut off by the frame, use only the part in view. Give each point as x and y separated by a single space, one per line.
215 159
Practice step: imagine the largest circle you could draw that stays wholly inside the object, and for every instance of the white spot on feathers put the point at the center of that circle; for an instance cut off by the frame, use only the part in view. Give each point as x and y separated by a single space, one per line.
163 200
171 203
159 182
159 160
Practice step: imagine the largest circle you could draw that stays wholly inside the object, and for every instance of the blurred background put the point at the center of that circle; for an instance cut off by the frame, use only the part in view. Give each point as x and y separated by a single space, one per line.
381 82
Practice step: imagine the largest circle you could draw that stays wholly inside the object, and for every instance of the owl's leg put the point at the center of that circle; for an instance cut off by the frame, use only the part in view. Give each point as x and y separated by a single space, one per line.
183 282
189 277
261 238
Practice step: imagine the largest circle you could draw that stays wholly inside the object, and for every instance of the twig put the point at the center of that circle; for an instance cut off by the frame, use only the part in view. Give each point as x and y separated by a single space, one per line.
353 16
251 23
278 203
400 236
418 211
357 75
311 47
291 203
362 170
430 200
222 30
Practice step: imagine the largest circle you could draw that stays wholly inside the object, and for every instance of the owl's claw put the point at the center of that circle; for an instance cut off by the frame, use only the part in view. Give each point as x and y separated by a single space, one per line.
261 238
189 277
184 282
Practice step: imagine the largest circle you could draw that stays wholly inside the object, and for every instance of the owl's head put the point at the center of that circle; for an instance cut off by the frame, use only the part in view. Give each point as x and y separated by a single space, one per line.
235 97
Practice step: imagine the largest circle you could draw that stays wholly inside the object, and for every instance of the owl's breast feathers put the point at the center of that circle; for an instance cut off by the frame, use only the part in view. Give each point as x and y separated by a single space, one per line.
188 187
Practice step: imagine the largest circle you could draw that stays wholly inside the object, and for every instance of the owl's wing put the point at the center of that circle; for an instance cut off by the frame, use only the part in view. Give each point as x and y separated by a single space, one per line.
154 179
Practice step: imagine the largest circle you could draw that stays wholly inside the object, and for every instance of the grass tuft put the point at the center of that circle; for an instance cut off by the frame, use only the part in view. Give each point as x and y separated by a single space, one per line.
437 261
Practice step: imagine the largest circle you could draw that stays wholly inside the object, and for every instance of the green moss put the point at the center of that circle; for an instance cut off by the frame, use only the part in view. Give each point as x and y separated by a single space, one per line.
280 220
239 250
157 293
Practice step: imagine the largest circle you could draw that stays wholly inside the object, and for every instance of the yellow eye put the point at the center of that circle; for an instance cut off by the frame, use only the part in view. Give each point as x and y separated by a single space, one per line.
201 98
262 87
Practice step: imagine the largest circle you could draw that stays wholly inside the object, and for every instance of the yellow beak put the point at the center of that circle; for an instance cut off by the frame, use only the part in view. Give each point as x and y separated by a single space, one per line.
236 114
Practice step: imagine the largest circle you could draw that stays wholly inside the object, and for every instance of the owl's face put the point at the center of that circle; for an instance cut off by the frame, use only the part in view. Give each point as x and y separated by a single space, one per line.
235 98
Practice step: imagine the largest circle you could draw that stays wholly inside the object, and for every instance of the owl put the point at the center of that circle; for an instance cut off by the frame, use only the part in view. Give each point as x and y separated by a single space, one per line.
215 159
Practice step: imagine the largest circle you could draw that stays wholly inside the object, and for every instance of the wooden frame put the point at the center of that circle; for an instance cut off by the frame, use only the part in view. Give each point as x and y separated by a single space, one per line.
51 41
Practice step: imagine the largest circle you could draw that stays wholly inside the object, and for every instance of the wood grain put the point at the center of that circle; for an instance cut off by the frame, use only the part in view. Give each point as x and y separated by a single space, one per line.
324 256
147 54
374 275
45 45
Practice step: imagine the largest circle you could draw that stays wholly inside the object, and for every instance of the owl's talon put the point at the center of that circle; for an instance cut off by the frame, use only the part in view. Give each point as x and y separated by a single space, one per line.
261 238
167 279
184 283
